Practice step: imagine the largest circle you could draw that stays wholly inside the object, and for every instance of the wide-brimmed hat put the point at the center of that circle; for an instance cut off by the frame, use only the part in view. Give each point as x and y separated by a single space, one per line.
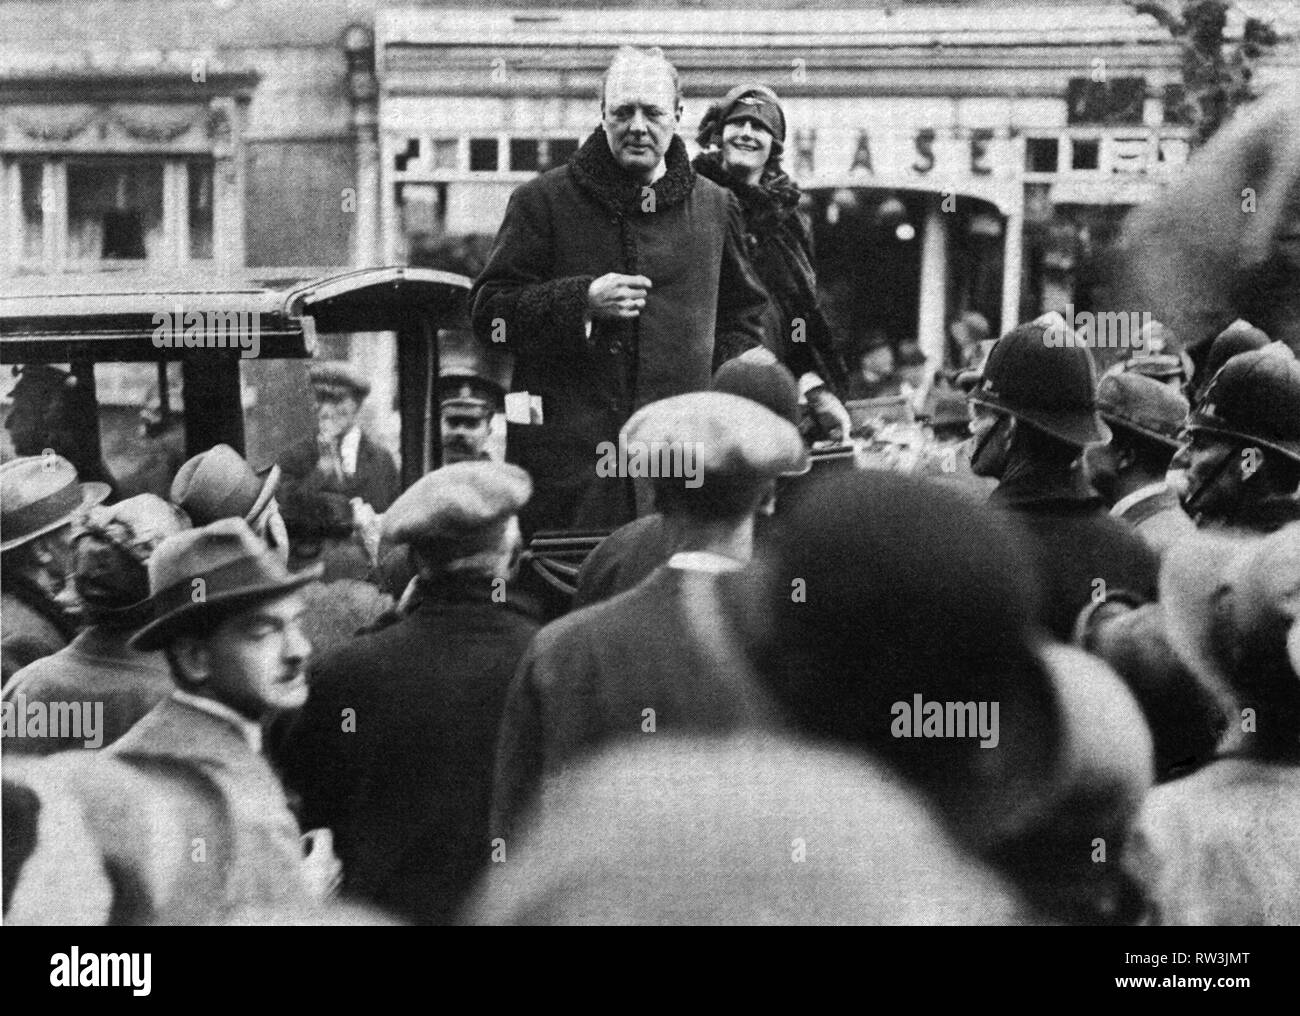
39 494
222 565
1143 406
111 549
220 484
1039 379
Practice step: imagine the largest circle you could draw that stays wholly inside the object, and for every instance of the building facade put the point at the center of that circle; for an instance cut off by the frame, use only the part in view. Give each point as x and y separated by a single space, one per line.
964 155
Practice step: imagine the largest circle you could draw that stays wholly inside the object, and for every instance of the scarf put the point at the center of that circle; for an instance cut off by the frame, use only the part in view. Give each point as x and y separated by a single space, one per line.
768 205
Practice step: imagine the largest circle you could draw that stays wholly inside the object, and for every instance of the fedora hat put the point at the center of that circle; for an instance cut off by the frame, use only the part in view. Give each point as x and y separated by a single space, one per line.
39 494
220 484
1142 405
235 568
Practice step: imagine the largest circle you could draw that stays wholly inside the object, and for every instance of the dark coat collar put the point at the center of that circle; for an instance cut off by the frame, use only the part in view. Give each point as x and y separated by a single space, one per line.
1031 488
594 170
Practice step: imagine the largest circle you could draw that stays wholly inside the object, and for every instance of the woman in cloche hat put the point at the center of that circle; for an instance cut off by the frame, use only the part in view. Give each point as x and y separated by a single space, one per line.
743 136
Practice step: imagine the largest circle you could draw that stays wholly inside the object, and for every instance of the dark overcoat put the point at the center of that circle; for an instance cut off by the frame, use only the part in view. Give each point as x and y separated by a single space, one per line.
1081 552
563 230
653 660
779 242
405 786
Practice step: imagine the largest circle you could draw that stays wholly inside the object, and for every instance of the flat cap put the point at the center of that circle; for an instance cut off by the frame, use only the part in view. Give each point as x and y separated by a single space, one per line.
339 375
1143 405
731 434
461 508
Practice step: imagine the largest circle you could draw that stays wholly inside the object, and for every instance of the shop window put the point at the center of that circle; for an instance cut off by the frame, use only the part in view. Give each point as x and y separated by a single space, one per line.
483 155
115 211
1041 155
35 198
445 153
1114 101
524 154
1085 155
85 212
200 211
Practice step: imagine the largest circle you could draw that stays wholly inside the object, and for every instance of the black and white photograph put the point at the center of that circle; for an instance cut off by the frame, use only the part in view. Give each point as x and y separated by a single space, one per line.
651 463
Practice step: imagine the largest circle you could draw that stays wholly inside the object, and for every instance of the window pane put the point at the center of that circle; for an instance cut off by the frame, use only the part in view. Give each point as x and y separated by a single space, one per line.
33 222
115 210
142 432
200 210
445 151
1085 154
1041 155
523 154
483 155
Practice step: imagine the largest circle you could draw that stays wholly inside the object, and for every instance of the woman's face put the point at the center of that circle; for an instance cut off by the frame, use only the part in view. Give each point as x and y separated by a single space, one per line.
746 145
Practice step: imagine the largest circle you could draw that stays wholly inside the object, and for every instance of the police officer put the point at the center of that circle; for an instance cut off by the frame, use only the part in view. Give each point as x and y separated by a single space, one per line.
1242 452
1034 410
472 384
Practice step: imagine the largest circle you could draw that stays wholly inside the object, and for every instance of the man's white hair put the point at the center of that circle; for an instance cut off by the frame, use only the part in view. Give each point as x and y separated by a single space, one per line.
641 54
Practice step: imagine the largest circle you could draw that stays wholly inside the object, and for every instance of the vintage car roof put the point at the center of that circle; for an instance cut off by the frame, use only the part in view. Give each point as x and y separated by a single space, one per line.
57 318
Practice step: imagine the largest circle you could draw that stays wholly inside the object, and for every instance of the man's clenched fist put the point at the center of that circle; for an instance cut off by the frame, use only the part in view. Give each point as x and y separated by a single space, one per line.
617 296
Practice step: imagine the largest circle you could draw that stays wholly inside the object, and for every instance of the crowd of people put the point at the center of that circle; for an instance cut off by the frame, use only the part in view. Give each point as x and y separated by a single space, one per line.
1063 691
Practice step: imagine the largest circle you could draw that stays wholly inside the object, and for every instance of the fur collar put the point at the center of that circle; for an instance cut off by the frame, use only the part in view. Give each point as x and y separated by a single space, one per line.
772 200
596 172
